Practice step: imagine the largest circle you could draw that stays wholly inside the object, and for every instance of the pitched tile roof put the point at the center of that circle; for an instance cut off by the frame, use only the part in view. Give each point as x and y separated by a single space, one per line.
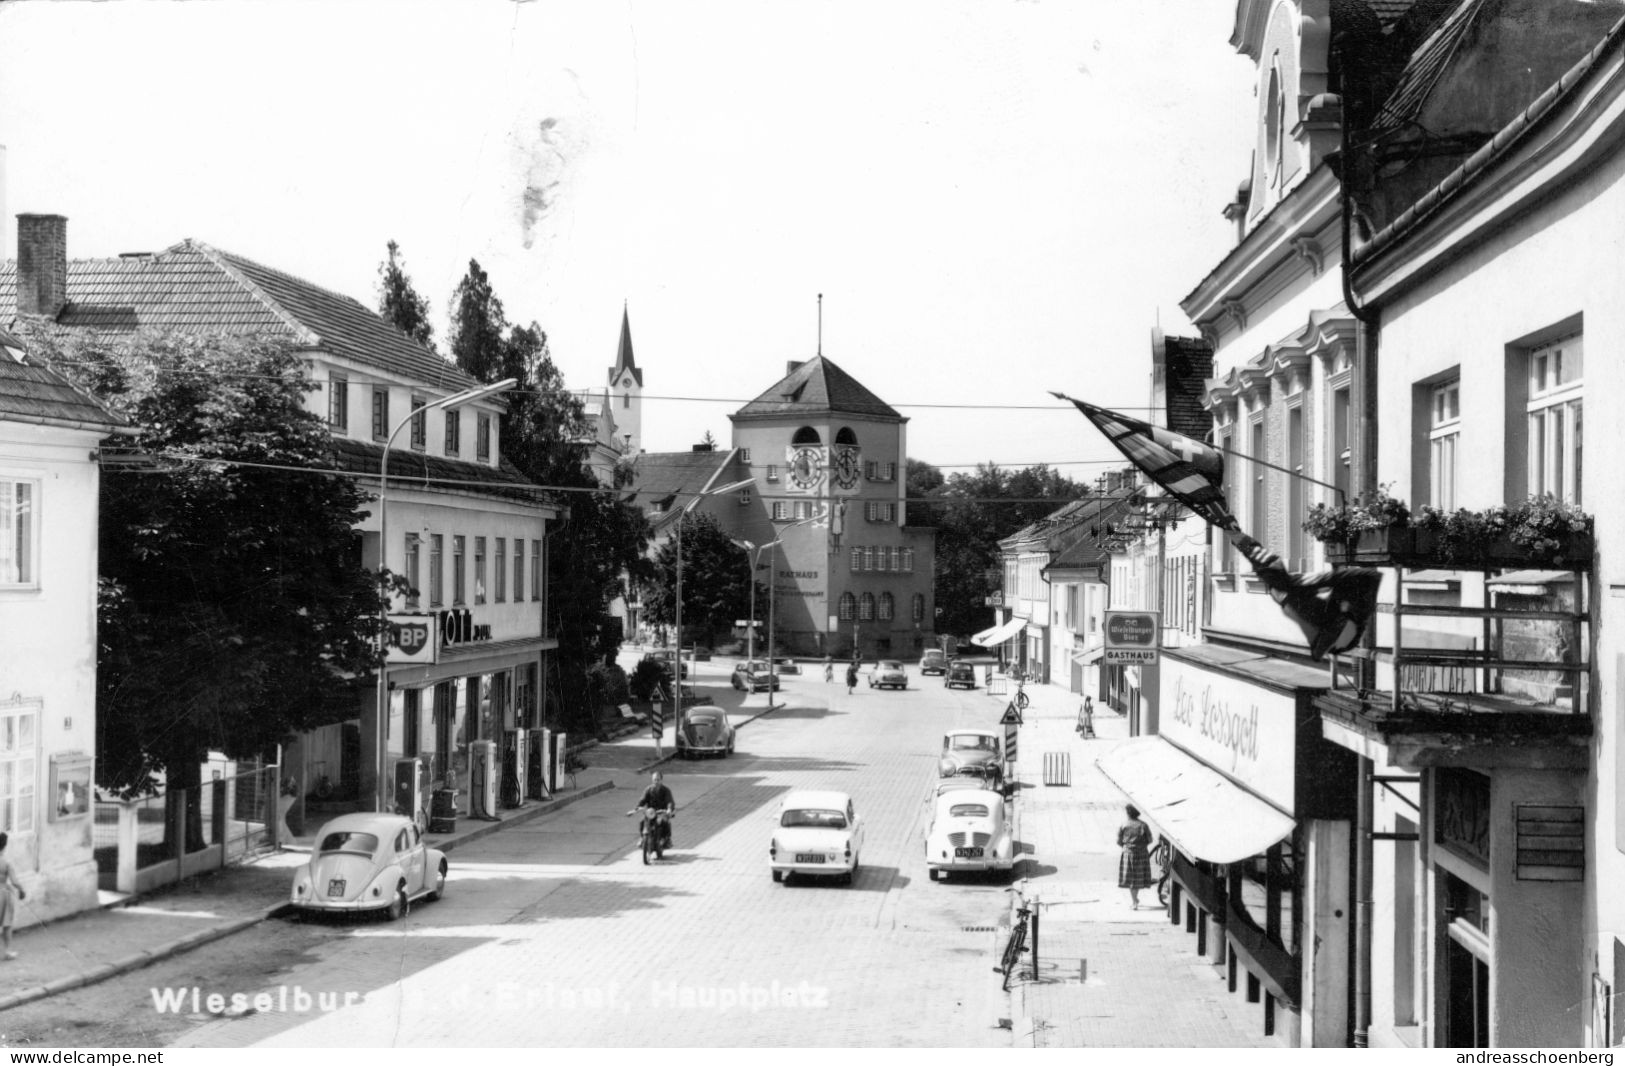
192 286
33 393
670 479
816 387
407 466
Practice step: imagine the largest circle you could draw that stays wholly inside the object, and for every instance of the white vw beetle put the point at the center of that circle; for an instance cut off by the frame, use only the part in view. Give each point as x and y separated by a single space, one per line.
369 862
816 833
970 830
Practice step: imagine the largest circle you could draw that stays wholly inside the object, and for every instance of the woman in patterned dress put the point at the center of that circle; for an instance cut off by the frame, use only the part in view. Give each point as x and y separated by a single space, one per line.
1134 867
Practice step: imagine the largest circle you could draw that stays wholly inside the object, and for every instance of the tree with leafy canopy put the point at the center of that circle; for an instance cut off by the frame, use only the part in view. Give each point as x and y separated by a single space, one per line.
972 513
479 326
544 434
399 303
716 578
233 607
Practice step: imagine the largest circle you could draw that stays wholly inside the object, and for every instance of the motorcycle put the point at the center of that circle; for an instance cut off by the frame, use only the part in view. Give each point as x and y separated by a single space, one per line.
654 831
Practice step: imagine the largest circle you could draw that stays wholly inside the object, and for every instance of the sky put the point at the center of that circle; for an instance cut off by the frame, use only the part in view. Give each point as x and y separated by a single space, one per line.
996 198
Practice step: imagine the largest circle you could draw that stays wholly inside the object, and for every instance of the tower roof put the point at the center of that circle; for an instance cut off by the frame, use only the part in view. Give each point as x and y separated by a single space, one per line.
624 360
816 387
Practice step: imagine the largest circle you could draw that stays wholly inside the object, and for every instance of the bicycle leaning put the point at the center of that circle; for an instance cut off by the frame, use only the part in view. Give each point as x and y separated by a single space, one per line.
1162 860
1017 942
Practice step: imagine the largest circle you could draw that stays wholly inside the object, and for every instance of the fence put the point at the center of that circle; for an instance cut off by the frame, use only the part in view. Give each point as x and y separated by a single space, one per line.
143 843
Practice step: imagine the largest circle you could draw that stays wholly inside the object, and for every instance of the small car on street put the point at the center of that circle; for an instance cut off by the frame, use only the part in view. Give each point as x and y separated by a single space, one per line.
959 674
754 677
934 661
704 731
786 666
369 862
888 673
970 831
816 833
973 753
667 658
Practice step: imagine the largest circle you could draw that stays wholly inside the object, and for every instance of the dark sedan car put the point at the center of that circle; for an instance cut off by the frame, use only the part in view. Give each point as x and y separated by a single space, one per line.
959 674
666 657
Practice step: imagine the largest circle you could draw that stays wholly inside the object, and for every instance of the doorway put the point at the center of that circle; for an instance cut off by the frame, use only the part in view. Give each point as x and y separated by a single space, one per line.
1467 965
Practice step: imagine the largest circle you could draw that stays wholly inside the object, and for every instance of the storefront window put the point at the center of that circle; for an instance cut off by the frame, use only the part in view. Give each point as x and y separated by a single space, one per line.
1269 893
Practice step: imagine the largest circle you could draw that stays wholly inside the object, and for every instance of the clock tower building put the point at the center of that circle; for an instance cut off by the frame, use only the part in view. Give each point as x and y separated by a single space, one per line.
626 392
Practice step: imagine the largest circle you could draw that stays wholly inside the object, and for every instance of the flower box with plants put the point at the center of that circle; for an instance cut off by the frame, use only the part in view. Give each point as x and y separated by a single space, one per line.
1378 529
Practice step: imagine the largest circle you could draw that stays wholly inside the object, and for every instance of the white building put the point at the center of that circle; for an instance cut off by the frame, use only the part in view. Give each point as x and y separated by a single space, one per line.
466 530
49 432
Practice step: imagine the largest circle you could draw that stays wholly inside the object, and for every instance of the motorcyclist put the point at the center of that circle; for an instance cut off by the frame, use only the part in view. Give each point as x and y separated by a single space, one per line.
657 797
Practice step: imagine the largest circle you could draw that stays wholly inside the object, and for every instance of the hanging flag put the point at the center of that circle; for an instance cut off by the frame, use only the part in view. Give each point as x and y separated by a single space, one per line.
1191 472
1332 607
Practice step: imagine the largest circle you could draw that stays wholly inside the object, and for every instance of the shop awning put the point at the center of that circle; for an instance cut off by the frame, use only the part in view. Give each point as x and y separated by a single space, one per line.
1089 655
1207 816
999 634
1525 579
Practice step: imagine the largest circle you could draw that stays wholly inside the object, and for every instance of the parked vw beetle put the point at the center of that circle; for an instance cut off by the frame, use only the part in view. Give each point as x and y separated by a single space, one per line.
973 753
704 731
369 862
970 831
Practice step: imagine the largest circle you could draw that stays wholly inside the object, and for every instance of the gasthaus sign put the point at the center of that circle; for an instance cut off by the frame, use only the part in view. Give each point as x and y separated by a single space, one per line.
1132 636
1244 731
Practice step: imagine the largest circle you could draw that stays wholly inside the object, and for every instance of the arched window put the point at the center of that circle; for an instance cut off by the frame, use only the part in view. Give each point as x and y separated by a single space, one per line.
887 607
806 435
844 435
919 606
849 606
866 608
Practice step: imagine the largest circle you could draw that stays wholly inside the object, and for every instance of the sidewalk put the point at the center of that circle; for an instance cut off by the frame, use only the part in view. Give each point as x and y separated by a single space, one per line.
1108 976
129 933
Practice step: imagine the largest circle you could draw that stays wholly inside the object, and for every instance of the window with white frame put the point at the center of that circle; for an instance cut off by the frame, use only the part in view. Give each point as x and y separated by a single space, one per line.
519 569
919 606
908 560
1444 437
1296 447
868 558
437 549
1556 377
420 422
19 730
501 572
857 559
19 533
781 510
772 473
886 607
744 497
883 563
1342 456
744 455
804 509
536 570
338 402
1227 440
881 512
849 606
1260 502
479 569
866 607
482 437
413 549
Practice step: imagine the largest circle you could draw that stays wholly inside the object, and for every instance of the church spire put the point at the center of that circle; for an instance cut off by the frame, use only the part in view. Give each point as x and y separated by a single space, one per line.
625 363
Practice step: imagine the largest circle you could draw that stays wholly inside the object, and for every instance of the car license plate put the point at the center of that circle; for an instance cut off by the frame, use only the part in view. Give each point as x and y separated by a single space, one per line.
335 887
967 853
809 858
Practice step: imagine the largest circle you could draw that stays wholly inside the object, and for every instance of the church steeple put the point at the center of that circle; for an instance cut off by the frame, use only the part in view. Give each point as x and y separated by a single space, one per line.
626 391
625 363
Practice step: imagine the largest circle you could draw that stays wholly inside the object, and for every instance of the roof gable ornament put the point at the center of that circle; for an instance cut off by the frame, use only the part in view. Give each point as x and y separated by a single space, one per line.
1236 310
1309 250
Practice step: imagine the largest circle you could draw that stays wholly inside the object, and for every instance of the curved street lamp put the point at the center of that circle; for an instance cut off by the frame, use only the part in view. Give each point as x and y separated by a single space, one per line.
445 403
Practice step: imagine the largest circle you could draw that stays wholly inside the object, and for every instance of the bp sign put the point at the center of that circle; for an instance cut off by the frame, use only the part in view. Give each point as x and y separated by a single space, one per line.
1132 636
412 638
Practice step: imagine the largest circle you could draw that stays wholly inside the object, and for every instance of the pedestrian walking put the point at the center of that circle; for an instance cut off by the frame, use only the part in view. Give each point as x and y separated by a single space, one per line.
829 669
852 677
8 904
1134 866
1086 718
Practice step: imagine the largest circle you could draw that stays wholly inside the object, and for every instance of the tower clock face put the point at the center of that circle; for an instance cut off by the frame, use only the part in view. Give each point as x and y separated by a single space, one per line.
806 468
846 468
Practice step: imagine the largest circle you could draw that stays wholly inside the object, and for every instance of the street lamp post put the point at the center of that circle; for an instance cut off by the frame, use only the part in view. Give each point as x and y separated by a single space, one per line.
446 403
753 556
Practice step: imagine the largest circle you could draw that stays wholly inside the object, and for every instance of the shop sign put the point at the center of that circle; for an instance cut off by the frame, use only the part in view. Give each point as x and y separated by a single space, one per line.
1245 731
1462 822
1132 636
412 638
799 575
457 627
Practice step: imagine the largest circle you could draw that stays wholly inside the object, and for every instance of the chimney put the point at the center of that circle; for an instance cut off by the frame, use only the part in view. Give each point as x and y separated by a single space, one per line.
42 265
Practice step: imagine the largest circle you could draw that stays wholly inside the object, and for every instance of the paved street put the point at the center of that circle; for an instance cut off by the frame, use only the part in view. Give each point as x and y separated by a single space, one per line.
554 932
